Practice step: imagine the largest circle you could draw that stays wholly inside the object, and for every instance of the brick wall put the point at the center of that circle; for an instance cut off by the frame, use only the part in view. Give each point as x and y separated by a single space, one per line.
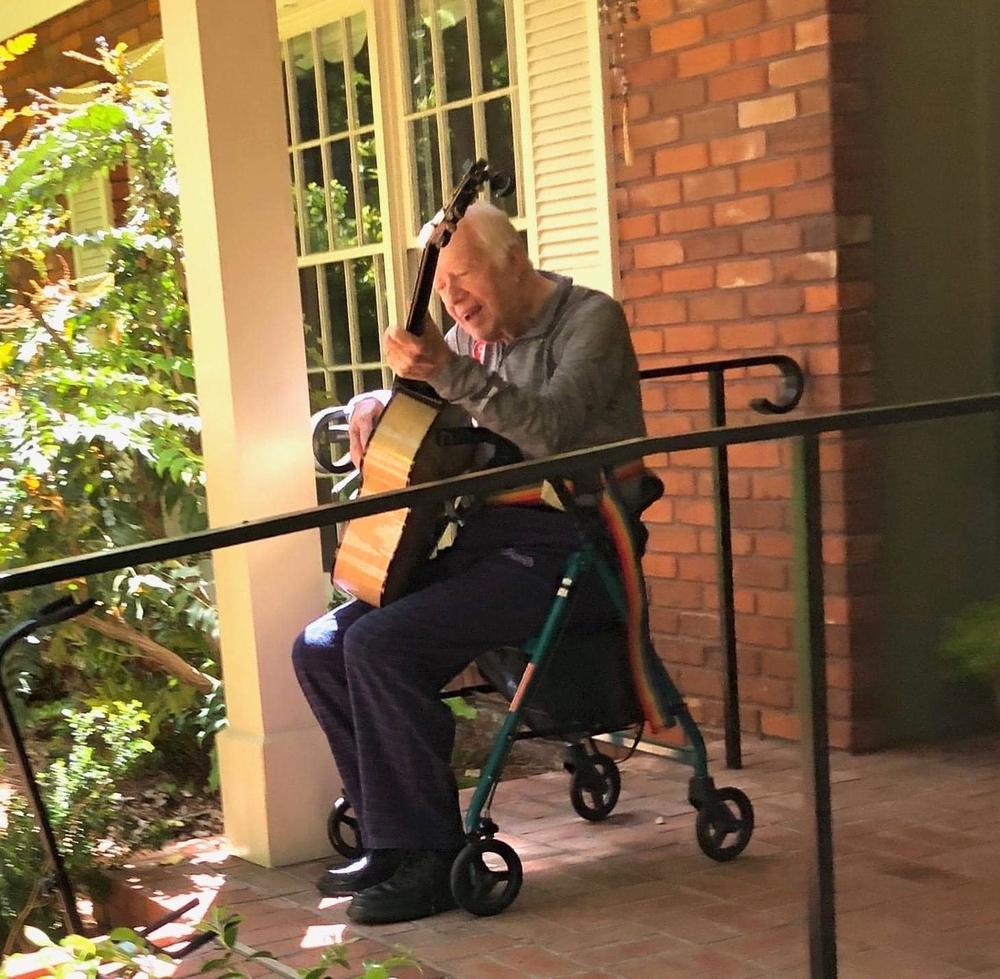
744 230
135 22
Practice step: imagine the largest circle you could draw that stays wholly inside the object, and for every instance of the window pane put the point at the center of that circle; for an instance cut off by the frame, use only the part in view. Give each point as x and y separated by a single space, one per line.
455 45
341 387
319 397
314 200
310 317
372 210
362 70
500 146
300 52
372 381
493 44
462 136
367 293
331 50
428 172
336 301
345 231
418 42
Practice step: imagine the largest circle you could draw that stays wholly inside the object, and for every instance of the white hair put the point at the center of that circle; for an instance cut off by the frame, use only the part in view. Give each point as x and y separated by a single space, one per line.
492 229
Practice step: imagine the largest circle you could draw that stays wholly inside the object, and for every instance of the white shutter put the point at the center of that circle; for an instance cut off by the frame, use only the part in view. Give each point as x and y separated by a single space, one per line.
561 78
90 210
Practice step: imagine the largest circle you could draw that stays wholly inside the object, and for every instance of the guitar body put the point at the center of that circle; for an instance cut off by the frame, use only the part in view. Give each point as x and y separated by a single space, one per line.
378 554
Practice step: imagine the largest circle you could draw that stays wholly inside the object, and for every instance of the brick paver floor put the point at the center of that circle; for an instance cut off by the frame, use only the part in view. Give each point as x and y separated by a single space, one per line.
917 876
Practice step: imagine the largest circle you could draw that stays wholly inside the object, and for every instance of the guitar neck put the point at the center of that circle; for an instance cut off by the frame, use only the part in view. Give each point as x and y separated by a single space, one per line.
419 302
421 296
443 226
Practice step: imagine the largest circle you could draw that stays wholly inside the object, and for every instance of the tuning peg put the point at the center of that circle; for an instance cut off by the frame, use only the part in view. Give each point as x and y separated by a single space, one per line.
501 184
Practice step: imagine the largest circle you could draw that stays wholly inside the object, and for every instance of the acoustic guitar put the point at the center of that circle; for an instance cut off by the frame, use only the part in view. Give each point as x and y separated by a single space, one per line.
378 555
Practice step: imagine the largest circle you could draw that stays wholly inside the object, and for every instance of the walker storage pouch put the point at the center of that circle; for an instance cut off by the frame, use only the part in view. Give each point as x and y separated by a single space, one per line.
584 683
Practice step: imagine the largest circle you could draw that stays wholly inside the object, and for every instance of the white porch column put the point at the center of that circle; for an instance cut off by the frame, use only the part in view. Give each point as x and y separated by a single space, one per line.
223 67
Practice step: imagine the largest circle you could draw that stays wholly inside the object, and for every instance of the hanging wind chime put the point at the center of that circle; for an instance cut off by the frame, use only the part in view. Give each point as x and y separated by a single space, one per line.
614 14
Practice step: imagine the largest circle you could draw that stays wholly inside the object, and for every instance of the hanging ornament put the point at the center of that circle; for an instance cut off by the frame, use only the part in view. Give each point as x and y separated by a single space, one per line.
614 15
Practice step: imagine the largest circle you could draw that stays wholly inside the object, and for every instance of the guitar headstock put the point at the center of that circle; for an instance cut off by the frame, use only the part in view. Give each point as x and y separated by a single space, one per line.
444 222
438 231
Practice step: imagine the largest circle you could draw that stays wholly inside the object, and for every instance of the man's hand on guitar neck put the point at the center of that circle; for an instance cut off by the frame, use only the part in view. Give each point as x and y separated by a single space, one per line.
417 358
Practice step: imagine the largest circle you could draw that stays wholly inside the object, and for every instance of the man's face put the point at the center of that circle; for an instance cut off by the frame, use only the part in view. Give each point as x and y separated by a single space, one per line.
478 293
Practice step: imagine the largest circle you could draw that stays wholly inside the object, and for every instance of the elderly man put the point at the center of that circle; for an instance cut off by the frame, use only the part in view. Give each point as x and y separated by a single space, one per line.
549 366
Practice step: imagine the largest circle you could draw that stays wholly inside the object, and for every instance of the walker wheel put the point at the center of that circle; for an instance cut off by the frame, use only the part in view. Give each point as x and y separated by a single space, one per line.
595 787
486 877
727 813
342 830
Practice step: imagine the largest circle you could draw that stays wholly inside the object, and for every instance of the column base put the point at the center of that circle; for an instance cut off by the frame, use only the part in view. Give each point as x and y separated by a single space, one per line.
277 791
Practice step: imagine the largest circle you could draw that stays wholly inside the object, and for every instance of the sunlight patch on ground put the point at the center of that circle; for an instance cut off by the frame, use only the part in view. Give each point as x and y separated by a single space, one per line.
320 936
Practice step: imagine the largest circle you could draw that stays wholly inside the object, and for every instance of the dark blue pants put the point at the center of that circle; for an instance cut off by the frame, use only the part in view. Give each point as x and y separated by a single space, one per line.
372 676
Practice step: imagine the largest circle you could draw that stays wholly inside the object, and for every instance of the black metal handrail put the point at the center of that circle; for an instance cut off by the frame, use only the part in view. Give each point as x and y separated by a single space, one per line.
810 631
482 483
792 379
333 420
792 386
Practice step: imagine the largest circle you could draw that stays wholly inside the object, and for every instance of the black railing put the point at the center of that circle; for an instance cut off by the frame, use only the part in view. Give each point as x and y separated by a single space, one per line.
330 430
792 384
809 576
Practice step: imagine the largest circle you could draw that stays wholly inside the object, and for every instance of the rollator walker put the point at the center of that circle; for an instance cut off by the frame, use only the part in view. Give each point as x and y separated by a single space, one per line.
566 686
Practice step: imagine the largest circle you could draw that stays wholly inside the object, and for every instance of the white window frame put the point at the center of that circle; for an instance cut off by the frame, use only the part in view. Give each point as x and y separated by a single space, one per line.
477 101
406 248
550 215
295 19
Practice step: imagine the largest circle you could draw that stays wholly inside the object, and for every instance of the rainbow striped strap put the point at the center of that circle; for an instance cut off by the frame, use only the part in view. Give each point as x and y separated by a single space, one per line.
649 676
544 492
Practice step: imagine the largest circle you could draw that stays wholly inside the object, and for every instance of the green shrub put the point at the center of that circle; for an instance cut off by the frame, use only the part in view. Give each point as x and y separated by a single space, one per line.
128 953
970 644
99 426
102 748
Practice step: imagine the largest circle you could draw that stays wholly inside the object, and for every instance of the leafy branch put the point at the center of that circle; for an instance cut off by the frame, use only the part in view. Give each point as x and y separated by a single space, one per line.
134 955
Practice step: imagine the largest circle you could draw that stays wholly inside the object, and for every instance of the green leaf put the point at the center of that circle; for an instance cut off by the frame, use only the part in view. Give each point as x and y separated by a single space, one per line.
461 708
214 965
177 467
101 117
79 945
229 933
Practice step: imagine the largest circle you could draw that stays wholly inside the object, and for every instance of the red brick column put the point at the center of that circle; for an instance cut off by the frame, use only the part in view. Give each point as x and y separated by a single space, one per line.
744 230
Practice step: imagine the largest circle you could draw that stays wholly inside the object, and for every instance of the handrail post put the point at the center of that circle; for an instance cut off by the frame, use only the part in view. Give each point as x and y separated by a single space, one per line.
811 646
724 552
61 881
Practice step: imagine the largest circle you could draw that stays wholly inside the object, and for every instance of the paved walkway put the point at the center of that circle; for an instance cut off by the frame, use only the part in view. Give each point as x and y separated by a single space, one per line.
917 861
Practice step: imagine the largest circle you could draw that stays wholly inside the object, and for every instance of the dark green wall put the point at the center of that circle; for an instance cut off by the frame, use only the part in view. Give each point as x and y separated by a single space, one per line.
936 120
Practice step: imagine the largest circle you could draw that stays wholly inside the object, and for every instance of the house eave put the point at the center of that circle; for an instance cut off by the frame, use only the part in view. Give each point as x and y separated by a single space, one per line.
17 16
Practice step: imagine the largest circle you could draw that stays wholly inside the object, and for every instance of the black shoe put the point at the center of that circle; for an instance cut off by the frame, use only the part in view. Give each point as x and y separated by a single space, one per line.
367 871
419 888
